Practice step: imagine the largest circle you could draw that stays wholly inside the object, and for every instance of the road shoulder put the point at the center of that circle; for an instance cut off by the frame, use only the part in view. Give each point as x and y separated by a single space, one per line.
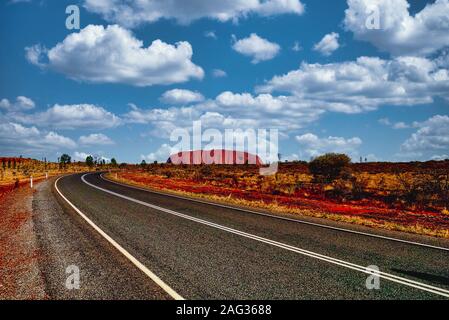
20 275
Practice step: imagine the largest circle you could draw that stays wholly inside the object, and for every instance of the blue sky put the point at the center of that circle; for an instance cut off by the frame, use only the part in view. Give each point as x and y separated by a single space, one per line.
311 69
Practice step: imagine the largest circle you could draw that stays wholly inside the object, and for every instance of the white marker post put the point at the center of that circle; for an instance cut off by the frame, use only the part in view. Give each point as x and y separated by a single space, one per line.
46 175
31 182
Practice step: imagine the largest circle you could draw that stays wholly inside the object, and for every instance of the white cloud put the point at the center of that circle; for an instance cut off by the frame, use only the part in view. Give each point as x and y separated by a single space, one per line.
21 104
18 1
113 55
328 44
134 13
396 125
364 84
95 139
313 146
80 156
218 73
160 155
181 96
399 32
230 110
296 47
210 34
257 48
55 139
71 117
432 136
440 157
18 139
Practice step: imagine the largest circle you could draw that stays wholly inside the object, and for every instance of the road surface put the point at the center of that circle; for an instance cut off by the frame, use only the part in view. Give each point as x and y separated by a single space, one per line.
170 247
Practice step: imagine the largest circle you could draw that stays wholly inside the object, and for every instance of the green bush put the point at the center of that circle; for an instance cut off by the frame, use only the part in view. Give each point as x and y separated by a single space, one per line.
328 167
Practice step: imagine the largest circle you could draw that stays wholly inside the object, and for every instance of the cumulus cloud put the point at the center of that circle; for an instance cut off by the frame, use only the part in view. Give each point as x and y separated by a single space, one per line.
80 156
18 139
431 137
328 44
399 32
95 139
71 117
210 34
364 84
296 47
21 104
395 125
134 13
161 154
113 55
312 145
440 157
230 110
181 96
257 48
218 73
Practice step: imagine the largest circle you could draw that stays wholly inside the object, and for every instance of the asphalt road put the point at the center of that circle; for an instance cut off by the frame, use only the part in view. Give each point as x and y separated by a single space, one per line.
201 251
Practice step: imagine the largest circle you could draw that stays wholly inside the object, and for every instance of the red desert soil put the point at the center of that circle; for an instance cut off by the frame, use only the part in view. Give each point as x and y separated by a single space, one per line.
19 273
369 214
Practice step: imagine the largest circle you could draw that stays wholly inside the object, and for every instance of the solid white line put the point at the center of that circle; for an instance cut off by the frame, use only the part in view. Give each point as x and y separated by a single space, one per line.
349 265
281 218
136 262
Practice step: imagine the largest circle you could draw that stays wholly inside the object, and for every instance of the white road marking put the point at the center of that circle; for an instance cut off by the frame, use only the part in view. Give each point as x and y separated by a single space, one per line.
136 262
281 218
349 265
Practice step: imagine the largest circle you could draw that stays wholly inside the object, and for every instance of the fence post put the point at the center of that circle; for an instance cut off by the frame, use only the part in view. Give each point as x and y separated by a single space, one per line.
31 181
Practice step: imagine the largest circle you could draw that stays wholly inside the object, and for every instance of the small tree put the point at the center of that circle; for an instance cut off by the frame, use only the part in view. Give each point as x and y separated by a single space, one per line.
143 164
113 162
89 161
328 167
65 159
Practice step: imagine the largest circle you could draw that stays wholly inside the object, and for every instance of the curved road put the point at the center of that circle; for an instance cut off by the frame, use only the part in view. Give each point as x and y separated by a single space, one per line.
195 250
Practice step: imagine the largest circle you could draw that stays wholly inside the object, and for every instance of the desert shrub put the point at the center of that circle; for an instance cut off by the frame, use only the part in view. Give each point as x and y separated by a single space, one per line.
410 188
339 190
201 173
435 185
358 187
426 190
328 167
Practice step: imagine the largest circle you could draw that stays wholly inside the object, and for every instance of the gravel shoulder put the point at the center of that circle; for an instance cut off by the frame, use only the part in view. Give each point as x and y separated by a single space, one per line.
20 275
50 238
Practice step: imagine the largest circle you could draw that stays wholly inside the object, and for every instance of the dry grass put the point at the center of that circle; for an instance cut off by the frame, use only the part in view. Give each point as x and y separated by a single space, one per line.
411 222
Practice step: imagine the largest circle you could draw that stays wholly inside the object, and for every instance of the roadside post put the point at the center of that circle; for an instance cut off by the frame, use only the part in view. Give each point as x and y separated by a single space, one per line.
31 182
